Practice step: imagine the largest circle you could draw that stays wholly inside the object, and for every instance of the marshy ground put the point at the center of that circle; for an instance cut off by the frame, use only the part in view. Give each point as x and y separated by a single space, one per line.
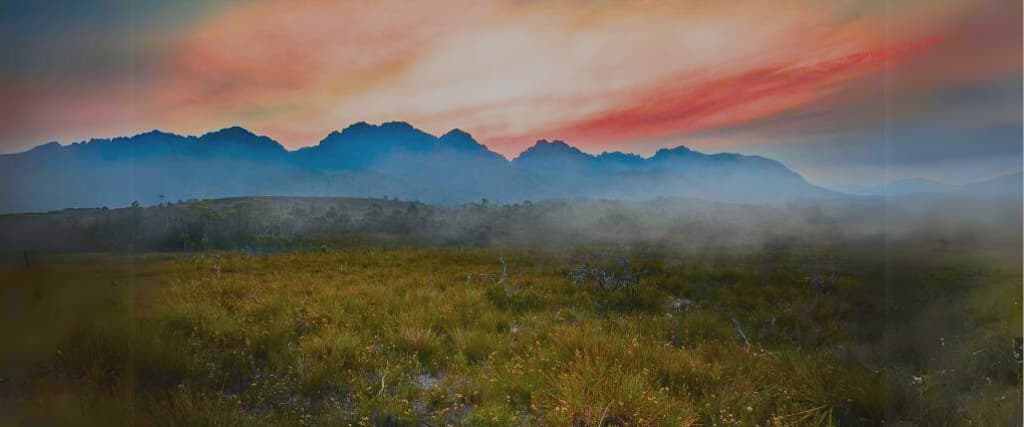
808 335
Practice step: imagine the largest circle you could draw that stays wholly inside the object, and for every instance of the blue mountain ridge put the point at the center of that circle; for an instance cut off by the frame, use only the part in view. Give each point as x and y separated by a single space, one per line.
367 160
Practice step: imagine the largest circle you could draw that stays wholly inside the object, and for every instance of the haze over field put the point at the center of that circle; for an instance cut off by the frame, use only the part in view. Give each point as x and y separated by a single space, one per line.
328 311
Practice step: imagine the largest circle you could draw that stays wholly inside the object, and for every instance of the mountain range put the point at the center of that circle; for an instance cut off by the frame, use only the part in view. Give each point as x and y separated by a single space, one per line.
392 159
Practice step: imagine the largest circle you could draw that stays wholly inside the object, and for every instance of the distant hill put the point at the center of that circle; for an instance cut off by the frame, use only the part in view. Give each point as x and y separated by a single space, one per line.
1006 185
1012 184
364 160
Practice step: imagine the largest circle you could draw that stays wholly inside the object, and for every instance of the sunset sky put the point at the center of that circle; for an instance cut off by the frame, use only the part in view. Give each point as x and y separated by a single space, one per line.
842 91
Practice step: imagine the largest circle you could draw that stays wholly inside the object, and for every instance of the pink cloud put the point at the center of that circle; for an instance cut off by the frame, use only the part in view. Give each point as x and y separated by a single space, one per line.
598 74
668 107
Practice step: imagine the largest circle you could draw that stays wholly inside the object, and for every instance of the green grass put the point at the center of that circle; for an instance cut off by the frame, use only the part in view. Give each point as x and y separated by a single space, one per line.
435 336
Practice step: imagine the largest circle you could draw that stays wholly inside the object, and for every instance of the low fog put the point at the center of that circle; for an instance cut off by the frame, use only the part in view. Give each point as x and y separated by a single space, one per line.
269 224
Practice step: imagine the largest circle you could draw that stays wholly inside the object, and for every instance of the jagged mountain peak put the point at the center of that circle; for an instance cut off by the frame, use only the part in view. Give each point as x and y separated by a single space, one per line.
398 124
557 144
678 151
237 135
457 134
49 146
620 156
389 133
392 126
461 140
230 132
156 133
544 149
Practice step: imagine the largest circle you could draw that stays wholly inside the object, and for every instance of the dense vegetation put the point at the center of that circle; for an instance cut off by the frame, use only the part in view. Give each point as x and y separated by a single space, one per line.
831 325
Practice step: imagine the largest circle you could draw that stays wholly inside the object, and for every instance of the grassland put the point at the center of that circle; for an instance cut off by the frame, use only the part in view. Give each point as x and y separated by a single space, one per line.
506 336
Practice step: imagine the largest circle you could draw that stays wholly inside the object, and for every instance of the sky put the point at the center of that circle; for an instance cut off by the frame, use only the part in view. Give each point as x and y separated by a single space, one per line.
844 91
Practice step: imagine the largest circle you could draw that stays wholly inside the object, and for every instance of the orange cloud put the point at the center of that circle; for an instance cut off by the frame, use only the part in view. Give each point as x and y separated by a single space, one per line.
511 72
599 74
669 107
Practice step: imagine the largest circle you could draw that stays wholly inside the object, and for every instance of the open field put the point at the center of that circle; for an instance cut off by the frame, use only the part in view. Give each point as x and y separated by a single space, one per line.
852 334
